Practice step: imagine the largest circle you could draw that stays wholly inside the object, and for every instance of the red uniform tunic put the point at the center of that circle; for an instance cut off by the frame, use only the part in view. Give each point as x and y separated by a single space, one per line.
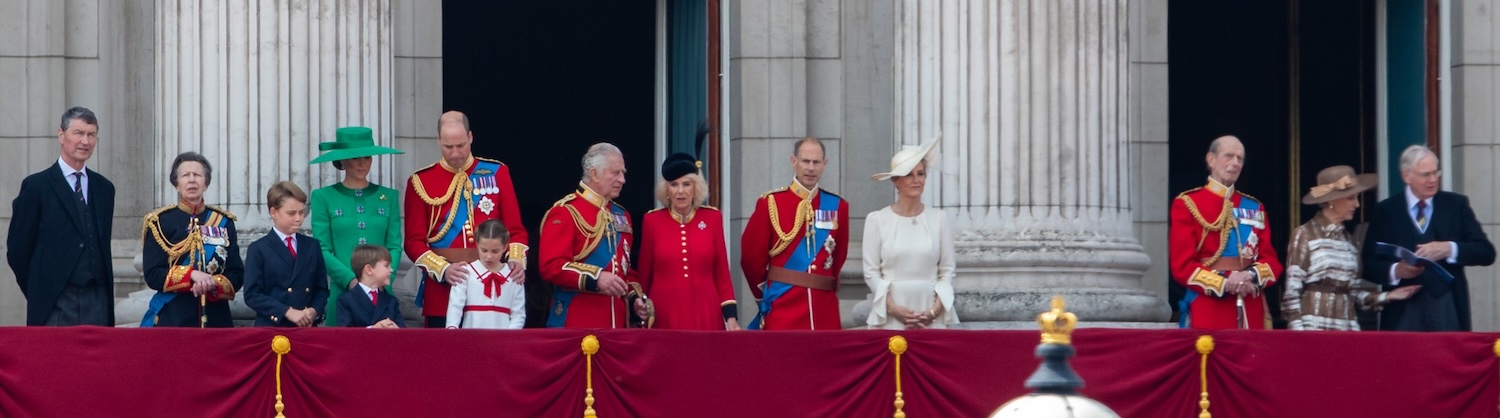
684 268
582 235
443 205
1208 233
784 232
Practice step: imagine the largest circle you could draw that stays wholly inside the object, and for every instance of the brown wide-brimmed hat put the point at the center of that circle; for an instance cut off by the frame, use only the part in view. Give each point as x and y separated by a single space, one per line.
1338 182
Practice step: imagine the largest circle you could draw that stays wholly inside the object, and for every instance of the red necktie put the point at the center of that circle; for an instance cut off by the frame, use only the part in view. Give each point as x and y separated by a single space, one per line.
373 299
289 247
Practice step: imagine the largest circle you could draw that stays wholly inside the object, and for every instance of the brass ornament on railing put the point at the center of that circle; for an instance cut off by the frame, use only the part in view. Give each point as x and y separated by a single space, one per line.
897 345
280 345
590 347
1205 345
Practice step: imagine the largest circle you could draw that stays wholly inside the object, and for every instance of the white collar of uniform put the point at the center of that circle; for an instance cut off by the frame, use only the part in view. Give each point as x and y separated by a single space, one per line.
365 289
1411 200
68 170
282 237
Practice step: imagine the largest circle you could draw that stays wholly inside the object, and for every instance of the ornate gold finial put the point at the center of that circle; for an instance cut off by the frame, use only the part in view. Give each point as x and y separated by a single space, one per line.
590 347
897 345
1057 324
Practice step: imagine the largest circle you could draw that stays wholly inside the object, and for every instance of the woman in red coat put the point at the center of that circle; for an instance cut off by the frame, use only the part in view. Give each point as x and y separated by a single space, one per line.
684 263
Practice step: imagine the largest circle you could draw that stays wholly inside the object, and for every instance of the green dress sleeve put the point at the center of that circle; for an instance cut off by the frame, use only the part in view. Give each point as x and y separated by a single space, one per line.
339 273
393 231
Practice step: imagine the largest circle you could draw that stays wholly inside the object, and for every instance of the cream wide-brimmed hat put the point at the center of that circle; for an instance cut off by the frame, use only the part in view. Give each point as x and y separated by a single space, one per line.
905 160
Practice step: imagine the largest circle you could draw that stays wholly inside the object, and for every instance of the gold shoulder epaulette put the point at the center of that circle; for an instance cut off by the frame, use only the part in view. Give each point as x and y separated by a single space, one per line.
488 159
709 208
774 191
424 168
1185 193
565 200
655 210
153 218
221 211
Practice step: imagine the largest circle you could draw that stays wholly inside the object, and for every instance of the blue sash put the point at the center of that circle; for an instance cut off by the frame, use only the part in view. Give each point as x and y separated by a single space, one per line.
199 263
1248 209
800 260
603 256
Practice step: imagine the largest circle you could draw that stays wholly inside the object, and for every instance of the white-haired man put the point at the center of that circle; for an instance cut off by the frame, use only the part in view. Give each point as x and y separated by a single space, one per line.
585 249
1437 225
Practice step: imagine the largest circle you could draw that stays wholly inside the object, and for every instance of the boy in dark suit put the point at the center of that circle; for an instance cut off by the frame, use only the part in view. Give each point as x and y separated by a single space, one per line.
365 305
285 279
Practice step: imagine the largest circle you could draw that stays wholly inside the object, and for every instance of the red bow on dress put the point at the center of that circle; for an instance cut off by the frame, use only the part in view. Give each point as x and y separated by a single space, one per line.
491 282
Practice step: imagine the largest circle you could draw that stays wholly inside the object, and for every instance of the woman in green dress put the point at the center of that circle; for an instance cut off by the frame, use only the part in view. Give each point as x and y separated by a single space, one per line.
354 211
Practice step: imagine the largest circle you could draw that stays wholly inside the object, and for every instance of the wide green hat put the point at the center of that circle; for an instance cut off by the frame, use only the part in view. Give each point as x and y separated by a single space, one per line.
351 142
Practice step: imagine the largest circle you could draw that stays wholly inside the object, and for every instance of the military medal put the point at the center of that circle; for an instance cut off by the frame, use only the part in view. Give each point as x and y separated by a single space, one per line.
486 205
475 185
829 244
494 186
1249 252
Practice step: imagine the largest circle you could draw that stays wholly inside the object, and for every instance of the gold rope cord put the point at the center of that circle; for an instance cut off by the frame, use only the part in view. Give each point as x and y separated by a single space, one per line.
897 346
1205 345
784 237
1222 224
280 345
590 347
454 190
592 234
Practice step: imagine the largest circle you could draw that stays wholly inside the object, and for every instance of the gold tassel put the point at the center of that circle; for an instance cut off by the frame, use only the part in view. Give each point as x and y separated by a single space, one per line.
898 347
1205 345
590 347
281 345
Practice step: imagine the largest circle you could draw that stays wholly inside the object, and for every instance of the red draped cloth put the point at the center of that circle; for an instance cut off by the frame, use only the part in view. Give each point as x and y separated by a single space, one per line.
90 371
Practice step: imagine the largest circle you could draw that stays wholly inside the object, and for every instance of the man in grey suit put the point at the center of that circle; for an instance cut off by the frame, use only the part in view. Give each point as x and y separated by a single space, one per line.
59 233
1436 225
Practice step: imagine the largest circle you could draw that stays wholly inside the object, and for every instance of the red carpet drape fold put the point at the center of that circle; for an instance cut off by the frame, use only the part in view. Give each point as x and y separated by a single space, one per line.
90 371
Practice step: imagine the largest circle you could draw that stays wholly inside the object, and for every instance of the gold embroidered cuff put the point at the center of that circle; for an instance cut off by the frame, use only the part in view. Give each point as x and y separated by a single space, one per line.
179 279
586 273
434 265
517 253
1211 282
225 289
1263 276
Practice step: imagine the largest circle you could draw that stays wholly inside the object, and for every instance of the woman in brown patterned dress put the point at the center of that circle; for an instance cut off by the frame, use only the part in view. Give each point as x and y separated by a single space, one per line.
1323 287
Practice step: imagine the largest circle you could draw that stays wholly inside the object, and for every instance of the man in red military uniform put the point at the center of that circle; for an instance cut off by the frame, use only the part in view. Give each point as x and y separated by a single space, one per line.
585 250
1220 247
794 247
444 202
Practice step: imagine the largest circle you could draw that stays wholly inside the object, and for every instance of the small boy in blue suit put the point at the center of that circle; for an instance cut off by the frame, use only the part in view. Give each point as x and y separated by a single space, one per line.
285 279
365 305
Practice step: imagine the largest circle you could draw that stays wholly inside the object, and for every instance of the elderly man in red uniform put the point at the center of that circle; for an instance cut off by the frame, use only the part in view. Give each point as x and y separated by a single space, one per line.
1220 247
444 202
794 247
585 250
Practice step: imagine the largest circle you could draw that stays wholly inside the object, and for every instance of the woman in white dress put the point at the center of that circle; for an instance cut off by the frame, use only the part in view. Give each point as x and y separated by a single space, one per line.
908 251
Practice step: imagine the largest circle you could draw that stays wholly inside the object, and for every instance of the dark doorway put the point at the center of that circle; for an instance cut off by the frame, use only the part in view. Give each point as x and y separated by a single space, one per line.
541 82
1293 79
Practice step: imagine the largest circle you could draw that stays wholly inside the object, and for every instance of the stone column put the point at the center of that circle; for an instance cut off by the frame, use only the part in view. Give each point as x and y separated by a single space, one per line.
255 85
1034 166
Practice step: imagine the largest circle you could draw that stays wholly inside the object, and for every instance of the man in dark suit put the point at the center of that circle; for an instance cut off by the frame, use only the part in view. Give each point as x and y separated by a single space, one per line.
1438 226
285 259
58 244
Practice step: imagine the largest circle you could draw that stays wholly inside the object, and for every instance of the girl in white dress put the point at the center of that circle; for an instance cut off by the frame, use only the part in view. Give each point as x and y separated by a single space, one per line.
486 299
908 251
